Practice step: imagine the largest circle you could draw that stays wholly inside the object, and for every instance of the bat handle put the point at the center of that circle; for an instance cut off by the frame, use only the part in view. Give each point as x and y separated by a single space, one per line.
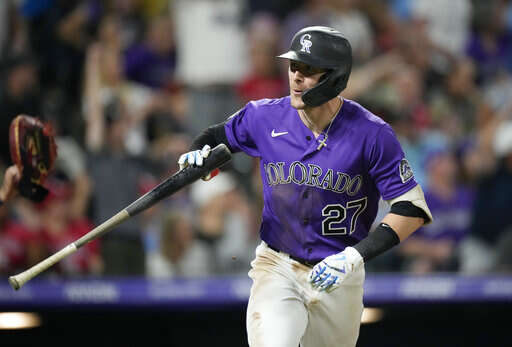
20 279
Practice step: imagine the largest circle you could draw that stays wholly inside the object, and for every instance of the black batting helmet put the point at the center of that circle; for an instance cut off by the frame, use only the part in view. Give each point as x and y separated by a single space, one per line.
325 48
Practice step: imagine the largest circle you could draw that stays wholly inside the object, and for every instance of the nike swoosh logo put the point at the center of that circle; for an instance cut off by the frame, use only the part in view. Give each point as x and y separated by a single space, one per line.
274 134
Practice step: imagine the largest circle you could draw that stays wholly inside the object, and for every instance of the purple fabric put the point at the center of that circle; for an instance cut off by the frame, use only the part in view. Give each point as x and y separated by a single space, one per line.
146 67
452 217
490 61
317 202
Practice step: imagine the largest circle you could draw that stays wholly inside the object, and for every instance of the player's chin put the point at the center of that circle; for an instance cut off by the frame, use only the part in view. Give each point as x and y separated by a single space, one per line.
296 101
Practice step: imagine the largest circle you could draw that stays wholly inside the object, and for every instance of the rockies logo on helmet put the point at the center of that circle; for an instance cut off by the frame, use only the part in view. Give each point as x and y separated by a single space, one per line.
306 43
332 52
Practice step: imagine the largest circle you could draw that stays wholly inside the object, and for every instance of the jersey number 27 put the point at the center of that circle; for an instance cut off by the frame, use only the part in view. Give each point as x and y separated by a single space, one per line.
336 213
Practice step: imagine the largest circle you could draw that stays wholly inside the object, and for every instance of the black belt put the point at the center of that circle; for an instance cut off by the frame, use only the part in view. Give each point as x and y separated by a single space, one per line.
297 259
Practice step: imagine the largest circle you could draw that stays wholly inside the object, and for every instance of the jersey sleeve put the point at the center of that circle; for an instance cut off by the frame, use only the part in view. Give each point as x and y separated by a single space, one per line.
389 168
241 131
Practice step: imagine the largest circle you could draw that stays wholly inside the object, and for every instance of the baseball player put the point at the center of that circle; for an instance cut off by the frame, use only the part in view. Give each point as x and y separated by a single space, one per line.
325 162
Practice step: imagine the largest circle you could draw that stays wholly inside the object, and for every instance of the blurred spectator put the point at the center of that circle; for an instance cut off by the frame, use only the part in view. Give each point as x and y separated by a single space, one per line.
498 91
179 253
355 26
385 22
490 45
435 247
264 79
441 17
59 228
491 220
105 77
19 93
19 245
371 75
152 62
401 96
458 106
115 173
72 163
59 33
223 220
209 64
115 178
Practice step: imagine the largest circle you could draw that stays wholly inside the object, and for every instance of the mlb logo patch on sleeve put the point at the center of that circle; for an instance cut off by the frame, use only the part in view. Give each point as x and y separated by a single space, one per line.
405 170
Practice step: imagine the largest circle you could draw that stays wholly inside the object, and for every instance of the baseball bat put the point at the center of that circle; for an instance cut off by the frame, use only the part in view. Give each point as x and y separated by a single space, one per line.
219 156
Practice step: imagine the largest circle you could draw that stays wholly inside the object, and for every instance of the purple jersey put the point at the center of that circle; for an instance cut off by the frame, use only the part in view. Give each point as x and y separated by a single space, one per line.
317 202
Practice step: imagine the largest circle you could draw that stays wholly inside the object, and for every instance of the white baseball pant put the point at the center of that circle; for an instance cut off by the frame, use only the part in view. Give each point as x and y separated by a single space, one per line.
284 310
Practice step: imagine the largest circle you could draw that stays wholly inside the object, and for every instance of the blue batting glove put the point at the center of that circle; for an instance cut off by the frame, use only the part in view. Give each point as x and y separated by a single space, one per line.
330 273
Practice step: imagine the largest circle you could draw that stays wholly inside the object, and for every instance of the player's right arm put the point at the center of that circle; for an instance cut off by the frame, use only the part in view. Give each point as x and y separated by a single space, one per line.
236 133
202 145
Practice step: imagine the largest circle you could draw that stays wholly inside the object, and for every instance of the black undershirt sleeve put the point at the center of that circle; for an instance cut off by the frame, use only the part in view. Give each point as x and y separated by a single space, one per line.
212 136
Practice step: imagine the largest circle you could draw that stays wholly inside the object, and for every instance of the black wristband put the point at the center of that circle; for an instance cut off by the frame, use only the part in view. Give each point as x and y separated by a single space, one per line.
1 202
377 242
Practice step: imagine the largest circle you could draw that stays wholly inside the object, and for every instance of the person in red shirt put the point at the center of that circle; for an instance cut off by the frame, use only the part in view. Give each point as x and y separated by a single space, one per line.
19 246
59 228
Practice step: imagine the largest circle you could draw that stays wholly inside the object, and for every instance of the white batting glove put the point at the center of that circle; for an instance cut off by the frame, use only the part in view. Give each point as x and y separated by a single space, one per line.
330 273
197 158
194 157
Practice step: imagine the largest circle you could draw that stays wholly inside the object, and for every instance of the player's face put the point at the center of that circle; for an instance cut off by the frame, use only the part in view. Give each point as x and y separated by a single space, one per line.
302 77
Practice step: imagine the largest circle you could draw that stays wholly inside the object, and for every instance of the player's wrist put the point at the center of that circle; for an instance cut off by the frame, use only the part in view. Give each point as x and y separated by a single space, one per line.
377 242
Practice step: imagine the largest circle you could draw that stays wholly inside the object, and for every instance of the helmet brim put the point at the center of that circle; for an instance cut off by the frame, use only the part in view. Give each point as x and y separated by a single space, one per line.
307 59
289 55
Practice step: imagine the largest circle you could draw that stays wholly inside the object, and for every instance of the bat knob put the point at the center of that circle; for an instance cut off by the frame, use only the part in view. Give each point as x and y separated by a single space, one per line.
14 283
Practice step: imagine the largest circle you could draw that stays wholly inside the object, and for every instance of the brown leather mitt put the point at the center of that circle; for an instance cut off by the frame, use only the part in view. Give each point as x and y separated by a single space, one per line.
33 150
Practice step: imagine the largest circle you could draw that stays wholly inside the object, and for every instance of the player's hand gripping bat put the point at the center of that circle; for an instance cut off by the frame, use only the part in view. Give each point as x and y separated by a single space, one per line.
219 156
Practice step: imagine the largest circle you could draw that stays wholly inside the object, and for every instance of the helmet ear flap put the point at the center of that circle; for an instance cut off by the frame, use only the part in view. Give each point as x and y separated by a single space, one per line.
330 85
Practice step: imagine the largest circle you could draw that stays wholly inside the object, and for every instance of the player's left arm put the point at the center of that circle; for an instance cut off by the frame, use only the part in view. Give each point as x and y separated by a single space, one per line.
408 212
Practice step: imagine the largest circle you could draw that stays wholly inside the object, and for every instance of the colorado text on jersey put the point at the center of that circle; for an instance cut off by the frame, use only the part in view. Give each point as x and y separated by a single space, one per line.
312 175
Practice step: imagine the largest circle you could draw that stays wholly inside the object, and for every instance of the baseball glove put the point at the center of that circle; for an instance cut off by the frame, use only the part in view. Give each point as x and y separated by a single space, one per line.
33 150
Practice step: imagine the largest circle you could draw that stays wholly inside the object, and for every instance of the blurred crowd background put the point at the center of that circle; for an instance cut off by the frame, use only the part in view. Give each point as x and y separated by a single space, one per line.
127 84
